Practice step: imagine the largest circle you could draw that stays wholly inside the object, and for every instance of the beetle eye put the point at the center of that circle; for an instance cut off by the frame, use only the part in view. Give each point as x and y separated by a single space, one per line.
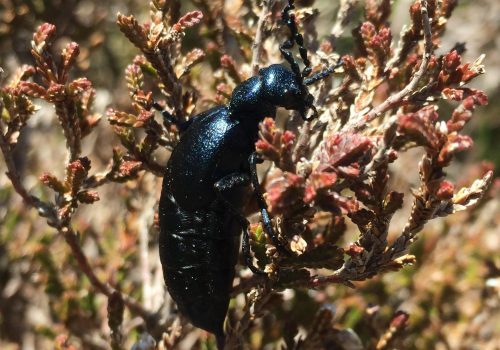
287 93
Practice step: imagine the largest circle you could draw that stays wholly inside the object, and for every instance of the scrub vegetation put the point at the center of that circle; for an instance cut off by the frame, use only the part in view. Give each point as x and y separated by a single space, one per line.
391 216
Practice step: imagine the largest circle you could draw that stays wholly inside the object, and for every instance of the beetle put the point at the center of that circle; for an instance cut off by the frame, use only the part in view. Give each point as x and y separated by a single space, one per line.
207 184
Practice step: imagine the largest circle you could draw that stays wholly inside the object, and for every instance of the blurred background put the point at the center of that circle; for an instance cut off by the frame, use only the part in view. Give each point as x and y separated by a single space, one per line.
452 294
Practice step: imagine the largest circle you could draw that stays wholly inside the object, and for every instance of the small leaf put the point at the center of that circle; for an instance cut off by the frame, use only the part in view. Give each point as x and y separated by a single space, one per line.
419 127
190 19
469 196
32 89
133 31
78 86
393 202
344 149
44 34
68 58
54 183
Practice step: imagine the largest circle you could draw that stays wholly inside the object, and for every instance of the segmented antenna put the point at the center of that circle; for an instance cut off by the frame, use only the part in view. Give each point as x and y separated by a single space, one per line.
295 37
323 74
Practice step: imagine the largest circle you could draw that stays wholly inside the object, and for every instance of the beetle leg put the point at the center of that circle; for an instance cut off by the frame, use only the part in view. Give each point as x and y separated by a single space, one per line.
266 220
181 126
228 191
164 113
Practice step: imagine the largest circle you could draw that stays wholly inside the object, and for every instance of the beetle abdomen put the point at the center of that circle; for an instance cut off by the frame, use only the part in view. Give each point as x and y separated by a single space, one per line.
198 252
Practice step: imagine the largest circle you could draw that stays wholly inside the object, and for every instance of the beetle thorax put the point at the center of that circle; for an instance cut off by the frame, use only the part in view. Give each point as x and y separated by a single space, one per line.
274 86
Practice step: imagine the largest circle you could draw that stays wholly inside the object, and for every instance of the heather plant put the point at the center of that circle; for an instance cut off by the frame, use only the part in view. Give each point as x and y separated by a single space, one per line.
331 185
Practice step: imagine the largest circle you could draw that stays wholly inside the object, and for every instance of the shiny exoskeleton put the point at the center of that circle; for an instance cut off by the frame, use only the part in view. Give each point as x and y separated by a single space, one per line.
207 184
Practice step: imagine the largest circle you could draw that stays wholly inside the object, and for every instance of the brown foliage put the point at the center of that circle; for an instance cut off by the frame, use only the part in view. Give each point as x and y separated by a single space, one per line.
339 168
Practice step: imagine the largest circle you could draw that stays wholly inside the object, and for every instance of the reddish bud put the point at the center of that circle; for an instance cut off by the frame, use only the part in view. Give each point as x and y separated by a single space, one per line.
400 320
69 54
451 61
44 33
190 19
143 118
268 123
419 127
318 181
350 67
469 103
367 31
78 86
52 182
354 250
416 16
445 190
263 146
309 194
456 143
453 94
56 92
227 61
288 137
32 89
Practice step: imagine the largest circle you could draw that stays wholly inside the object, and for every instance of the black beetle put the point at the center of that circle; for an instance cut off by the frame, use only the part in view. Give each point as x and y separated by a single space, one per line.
207 184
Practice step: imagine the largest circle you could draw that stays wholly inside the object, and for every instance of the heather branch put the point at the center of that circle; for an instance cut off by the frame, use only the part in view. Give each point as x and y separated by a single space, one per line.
343 17
169 339
65 96
398 323
47 210
169 79
339 277
380 157
66 113
143 228
13 175
157 43
302 142
383 148
259 35
71 239
349 272
427 207
255 305
248 284
395 100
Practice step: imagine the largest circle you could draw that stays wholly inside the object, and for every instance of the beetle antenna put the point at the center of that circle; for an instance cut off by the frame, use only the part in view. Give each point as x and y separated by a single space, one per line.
295 37
164 113
323 74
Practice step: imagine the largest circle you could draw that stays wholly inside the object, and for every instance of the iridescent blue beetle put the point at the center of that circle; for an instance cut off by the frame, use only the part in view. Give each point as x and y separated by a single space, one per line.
207 184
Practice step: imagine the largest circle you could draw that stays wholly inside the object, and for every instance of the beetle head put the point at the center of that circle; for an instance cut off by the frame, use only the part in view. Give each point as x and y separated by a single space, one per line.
281 87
